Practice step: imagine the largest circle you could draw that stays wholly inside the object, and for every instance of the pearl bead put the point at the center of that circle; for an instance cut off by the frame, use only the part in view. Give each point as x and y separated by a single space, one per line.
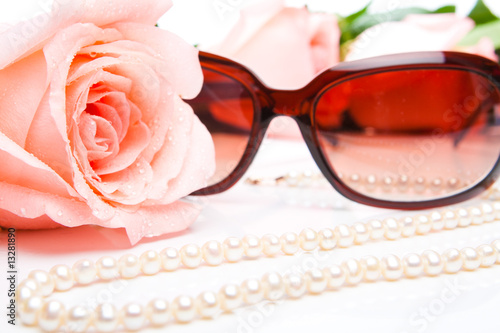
24 293
289 243
424 224
190 255
150 262
488 255
464 219
408 226
488 212
107 268
476 215
170 259
413 266
252 291
496 246
433 265
157 311
252 246
450 219
84 271
295 286
273 286
183 309
79 319
371 183
371 268
361 233
316 281
308 239
392 229
335 275
207 304
327 239
51 316
133 317
419 185
63 277
471 258
233 249
30 284
437 221
129 266
453 261
496 209
344 235
403 182
28 311
230 297
106 318
354 271
391 268
376 229
270 245
212 253
44 280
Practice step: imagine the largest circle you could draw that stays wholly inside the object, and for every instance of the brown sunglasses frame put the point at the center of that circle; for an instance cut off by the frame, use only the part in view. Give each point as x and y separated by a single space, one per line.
300 105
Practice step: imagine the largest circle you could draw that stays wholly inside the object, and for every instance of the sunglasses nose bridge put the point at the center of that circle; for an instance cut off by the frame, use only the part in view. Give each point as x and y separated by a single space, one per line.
288 103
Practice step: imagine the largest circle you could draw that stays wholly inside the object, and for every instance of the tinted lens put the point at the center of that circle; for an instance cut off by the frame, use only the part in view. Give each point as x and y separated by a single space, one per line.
410 135
226 108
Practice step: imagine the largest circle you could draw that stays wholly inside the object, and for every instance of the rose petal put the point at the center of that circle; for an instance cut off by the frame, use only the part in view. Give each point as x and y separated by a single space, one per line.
30 35
136 139
189 139
180 68
23 86
158 220
23 169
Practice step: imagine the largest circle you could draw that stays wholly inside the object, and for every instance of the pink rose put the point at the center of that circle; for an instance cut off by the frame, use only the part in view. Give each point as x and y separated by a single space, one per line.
419 32
92 126
285 47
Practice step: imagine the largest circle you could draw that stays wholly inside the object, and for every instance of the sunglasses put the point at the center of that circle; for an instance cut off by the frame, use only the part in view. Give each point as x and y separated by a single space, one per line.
406 131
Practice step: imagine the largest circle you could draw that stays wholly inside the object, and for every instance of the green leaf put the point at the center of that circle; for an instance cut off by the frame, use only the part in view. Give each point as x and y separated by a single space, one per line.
481 13
490 30
346 22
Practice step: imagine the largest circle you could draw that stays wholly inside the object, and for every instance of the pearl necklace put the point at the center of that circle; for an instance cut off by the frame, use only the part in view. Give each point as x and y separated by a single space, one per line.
51 315
369 183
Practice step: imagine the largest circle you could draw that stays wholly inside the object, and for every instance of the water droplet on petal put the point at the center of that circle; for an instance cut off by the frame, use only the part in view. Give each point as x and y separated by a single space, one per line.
93 54
23 211
141 171
181 119
59 213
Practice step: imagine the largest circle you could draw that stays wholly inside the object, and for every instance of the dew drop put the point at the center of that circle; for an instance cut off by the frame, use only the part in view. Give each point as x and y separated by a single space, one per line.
59 213
95 212
93 54
141 171
181 119
23 211
169 138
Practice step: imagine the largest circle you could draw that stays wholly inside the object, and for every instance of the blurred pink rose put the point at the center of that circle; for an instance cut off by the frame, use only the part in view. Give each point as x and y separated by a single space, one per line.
285 47
92 126
419 32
